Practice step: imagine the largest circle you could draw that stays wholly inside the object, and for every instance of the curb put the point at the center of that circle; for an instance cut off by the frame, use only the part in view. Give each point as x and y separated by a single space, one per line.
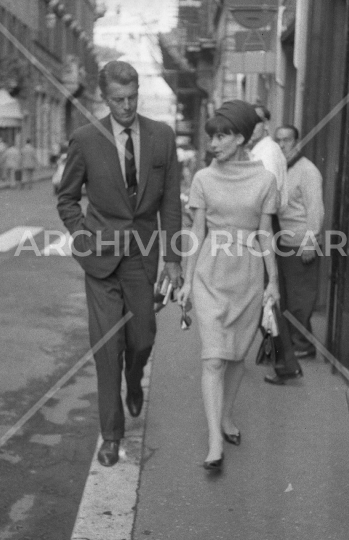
108 505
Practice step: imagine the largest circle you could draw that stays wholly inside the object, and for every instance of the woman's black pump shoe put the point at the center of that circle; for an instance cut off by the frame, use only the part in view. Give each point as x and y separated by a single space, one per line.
233 439
215 464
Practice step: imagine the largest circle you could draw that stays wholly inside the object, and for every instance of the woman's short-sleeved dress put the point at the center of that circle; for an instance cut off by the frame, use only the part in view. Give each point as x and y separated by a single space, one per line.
229 274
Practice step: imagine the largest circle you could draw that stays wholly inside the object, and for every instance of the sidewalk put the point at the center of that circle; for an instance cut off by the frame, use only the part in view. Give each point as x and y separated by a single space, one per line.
287 481
44 173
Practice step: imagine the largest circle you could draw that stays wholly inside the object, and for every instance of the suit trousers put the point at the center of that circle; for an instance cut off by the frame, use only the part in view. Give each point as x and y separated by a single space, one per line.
127 289
301 283
290 361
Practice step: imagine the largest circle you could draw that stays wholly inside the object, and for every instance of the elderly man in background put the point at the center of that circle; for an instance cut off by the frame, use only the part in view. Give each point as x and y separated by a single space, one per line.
303 219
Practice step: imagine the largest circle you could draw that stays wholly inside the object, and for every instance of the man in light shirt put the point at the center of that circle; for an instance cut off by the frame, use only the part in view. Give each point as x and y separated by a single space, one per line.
268 151
303 217
263 148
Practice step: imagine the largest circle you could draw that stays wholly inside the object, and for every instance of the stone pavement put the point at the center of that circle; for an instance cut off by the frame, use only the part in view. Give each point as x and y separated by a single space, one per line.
289 479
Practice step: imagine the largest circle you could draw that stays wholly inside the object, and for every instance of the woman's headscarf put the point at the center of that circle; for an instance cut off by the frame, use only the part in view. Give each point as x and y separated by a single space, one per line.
241 115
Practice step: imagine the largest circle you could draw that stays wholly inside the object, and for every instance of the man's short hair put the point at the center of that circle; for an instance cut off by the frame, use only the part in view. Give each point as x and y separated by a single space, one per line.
266 112
116 71
292 128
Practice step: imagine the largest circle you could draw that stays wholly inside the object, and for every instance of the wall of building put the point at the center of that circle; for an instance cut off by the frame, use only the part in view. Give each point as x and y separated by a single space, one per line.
323 90
61 45
231 80
227 84
24 10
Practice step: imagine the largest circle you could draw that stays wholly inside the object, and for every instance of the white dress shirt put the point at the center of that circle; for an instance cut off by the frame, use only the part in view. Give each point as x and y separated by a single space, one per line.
270 153
120 141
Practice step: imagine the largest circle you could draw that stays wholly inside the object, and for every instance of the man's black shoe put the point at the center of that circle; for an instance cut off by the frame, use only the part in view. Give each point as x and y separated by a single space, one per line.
289 374
283 376
134 401
108 453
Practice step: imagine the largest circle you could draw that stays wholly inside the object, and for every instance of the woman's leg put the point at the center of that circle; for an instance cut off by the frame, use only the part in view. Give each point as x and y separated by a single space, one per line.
232 379
212 391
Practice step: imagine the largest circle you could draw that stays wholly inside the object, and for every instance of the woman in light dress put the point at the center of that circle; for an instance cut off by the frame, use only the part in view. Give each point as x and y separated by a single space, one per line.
231 199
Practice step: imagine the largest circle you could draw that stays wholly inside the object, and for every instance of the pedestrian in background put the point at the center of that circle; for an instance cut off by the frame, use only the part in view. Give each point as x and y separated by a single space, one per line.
235 196
29 163
303 217
13 166
129 180
265 149
3 148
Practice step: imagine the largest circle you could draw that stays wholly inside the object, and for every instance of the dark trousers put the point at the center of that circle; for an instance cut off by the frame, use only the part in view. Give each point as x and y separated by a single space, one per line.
126 289
290 362
301 283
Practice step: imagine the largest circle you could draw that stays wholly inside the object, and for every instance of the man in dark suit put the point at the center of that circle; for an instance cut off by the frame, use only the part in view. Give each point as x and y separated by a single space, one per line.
128 164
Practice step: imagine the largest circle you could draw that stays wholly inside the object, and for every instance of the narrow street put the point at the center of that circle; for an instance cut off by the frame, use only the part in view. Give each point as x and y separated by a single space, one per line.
43 331
287 481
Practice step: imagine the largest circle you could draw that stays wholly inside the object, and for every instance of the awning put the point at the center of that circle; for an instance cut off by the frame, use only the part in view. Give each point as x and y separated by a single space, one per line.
10 110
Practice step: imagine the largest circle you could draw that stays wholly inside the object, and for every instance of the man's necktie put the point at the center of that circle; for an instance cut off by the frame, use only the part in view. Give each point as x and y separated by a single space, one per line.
130 169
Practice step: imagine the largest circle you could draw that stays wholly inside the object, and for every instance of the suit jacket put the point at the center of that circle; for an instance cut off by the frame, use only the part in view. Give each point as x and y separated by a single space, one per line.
93 160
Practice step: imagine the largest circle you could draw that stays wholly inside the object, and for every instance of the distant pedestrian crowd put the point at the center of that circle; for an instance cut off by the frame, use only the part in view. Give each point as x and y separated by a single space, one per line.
17 166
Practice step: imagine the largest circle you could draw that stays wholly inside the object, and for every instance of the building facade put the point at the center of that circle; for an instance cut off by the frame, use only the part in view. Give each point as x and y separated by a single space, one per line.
313 45
326 109
58 35
188 69
127 36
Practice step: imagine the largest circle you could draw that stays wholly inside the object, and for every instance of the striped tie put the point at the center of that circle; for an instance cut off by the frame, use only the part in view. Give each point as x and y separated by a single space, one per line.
130 169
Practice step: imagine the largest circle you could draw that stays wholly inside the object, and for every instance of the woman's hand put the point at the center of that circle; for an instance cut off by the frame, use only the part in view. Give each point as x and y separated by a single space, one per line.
183 294
272 291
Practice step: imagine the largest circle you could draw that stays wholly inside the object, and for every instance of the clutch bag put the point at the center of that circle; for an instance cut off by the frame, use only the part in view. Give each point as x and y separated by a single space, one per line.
270 351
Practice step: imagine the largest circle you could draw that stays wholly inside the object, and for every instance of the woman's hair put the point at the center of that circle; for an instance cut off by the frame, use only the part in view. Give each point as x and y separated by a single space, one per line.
116 71
219 124
236 116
